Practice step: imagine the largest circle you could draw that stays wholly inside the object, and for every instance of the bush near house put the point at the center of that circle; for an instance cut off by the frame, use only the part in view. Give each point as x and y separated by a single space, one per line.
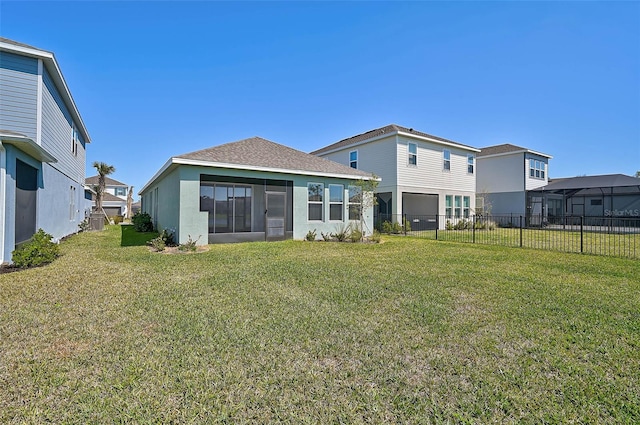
142 222
38 251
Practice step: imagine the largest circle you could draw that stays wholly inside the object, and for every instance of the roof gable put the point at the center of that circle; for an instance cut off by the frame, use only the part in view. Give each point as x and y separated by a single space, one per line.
389 130
93 180
507 148
265 154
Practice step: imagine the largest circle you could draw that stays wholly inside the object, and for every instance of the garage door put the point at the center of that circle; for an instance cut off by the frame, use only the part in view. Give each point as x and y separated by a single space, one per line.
421 210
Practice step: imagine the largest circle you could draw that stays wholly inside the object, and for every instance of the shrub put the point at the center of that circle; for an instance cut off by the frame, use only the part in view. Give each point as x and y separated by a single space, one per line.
157 244
189 245
84 226
311 235
142 222
376 237
356 235
389 227
341 234
38 251
117 219
325 236
407 225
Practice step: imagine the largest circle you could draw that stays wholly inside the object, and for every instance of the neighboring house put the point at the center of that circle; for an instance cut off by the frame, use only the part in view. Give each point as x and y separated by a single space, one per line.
505 173
423 176
611 195
251 190
114 200
42 148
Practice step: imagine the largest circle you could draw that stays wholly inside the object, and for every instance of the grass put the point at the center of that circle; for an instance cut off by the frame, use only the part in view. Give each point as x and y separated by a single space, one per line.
408 331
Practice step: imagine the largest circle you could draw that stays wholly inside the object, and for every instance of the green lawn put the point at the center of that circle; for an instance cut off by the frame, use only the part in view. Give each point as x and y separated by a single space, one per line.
407 331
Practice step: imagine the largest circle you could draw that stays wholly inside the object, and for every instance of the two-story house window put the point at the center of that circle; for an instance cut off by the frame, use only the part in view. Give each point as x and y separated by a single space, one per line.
470 163
413 154
353 159
74 140
336 202
536 168
448 206
315 201
446 156
121 191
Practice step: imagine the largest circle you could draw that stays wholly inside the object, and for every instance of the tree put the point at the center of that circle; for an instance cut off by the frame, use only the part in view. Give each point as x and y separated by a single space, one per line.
638 174
364 197
103 171
129 201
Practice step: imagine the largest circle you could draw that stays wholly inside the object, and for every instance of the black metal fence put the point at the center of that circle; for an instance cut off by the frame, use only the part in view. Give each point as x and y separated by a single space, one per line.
613 236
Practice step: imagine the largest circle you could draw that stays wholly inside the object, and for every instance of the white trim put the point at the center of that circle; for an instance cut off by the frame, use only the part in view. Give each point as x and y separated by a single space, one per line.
397 133
39 104
184 161
516 152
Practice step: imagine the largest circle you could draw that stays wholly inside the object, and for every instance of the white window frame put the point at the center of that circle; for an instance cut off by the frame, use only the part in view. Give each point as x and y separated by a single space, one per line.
353 163
470 163
537 169
448 206
457 206
357 206
341 202
466 206
446 162
315 202
413 155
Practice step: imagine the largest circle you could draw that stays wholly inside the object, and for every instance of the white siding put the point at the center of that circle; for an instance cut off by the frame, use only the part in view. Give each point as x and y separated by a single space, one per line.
378 157
504 173
532 182
429 172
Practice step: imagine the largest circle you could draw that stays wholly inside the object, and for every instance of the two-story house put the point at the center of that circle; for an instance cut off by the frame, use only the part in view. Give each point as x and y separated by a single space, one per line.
42 148
114 200
423 176
505 173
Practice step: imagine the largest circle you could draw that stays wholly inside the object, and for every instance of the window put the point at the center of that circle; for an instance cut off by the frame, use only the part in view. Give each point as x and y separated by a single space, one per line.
353 159
413 154
315 201
537 168
336 202
448 206
470 161
74 140
228 205
466 206
596 202
458 206
355 203
446 155
72 203
121 191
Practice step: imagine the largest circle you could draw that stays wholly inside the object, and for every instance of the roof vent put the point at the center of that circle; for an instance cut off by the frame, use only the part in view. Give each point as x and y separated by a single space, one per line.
411 129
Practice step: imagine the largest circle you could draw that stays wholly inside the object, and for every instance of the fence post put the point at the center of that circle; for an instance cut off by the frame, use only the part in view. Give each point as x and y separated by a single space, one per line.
473 226
581 234
520 231
404 224
437 225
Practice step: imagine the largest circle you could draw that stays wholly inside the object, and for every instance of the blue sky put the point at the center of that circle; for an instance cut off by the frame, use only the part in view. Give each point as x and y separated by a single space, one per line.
157 79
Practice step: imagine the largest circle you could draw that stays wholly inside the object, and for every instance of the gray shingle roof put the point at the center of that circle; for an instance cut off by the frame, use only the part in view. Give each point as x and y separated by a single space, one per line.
583 182
389 129
259 152
504 149
93 180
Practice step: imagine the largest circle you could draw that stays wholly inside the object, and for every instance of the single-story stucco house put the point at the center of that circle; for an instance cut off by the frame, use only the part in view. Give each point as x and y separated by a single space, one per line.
253 190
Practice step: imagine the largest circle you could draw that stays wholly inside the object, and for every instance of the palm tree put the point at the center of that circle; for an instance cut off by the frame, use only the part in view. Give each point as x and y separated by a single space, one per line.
103 171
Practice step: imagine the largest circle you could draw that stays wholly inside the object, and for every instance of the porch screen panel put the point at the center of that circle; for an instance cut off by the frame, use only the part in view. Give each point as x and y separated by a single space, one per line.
223 209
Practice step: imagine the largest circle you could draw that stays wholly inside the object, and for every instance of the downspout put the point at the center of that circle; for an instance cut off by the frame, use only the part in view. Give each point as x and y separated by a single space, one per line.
3 173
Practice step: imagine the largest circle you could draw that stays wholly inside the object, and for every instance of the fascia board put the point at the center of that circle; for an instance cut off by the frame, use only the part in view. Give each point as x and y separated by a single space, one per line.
516 152
440 142
183 161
